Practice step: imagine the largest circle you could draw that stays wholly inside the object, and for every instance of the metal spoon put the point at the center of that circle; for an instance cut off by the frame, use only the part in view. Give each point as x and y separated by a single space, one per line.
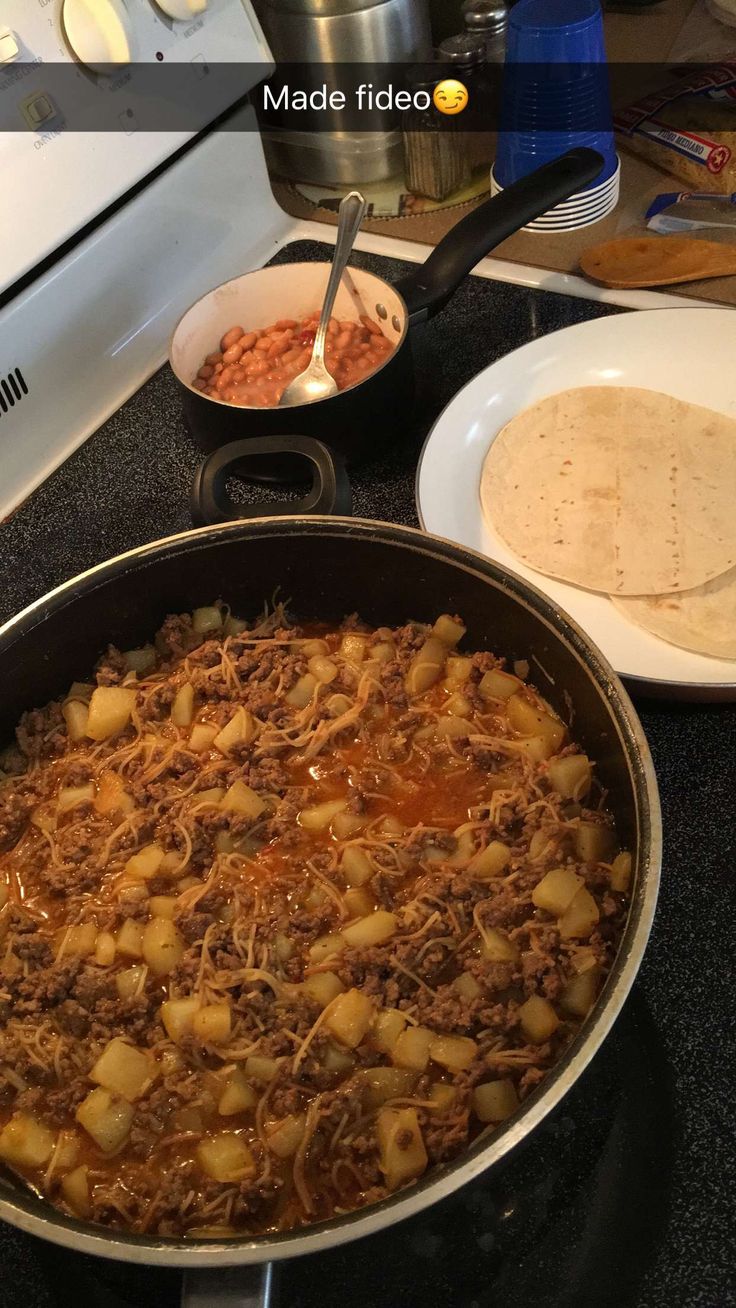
316 383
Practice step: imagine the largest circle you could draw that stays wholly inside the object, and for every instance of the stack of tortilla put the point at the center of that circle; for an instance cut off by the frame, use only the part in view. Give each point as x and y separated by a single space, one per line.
629 492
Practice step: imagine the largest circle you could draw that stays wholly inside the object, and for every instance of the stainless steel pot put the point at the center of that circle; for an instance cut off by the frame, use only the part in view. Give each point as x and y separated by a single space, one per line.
332 566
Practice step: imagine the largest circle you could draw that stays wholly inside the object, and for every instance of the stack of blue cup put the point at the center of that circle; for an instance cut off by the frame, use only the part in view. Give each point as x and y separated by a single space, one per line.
556 97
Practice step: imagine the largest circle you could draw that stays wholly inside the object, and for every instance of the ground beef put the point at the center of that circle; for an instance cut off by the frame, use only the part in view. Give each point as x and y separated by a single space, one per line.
111 668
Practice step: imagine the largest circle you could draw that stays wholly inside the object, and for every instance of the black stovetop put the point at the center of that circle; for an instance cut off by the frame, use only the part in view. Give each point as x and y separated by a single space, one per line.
624 1199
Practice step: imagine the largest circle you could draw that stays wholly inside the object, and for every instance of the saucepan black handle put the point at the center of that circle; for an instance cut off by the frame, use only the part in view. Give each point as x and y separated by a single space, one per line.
329 492
428 287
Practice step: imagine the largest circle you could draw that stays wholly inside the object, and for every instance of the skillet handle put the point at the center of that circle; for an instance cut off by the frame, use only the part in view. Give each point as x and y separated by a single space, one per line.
230 1287
328 494
429 286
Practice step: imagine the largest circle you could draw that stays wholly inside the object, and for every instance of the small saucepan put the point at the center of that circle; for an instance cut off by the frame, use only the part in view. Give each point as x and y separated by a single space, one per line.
371 413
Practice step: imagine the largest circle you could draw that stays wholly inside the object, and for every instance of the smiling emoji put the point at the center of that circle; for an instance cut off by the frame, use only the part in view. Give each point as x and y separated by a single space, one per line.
450 97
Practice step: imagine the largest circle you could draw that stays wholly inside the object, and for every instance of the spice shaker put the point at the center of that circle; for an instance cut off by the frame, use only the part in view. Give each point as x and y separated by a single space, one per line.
435 159
488 19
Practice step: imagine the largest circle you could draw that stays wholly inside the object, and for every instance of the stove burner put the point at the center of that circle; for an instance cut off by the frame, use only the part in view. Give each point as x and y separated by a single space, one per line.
572 1220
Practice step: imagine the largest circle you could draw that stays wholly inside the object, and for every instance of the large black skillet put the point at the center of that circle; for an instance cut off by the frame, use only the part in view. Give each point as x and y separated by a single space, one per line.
329 567
359 421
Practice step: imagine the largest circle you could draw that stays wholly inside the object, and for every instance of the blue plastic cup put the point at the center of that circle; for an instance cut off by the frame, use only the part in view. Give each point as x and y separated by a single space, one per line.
555 90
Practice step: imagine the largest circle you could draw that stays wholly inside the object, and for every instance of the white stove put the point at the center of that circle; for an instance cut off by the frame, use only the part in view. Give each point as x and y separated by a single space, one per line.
108 237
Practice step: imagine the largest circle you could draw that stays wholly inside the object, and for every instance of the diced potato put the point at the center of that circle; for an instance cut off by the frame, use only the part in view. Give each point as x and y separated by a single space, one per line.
106 1117
182 709
70 797
301 693
390 826
130 980
226 1157
426 667
76 715
242 799
80 690
458 705
336 1059
310 648
457 670
353 647
261 1069
355 866
162 946
442 1096
498 685
497 948
123 1070
77 941
129 940
449 727
75 1191
237 1097
284 1137
448 630
208 618
140 660
283 948
383 651
467 987
345 825
621 872
375 929
535 747
319 816
463 852
594 843
388 1025
146 862
240 730
580 917
401 1147
212 1024
177 1016
383 1083
350 1017
494 1101
25 1142
455 1053
201 737
163 906
66 1151
538 1019
112 796
323 987
411 1050
491 861
233 626
525 717
328 946
109 711
556 891
212 796
579 994
570 776
336 705
105 948
323 669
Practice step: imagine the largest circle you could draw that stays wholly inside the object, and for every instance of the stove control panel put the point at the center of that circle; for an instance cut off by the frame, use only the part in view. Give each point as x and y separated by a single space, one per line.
57 178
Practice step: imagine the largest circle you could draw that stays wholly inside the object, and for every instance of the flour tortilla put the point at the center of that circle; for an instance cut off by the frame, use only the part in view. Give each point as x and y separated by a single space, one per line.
616 489
703 619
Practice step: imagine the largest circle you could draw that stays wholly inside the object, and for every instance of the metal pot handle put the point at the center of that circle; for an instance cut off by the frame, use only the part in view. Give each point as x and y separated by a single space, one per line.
328 494
230 1287
428 287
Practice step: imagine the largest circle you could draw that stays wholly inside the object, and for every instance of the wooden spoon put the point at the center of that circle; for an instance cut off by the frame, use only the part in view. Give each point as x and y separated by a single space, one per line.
633 261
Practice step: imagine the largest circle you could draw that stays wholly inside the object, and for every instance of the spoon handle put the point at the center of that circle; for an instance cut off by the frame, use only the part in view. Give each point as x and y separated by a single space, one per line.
350 216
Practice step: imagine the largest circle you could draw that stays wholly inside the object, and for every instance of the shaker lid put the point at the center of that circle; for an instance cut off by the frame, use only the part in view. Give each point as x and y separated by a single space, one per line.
487 16
466 49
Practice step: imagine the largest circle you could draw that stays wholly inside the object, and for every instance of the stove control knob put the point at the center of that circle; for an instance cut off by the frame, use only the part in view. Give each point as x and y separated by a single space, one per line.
182 9
99 32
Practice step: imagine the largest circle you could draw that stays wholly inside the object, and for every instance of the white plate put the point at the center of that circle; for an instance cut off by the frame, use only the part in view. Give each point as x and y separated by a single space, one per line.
687 353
